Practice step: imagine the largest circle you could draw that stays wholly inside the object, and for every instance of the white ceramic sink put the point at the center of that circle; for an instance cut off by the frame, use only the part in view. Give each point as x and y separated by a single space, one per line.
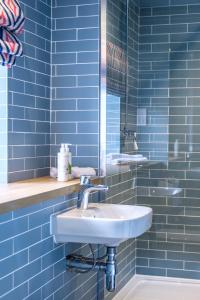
108 224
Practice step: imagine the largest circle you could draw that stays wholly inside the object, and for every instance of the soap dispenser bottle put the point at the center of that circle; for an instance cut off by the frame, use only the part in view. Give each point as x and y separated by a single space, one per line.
69 161
62 164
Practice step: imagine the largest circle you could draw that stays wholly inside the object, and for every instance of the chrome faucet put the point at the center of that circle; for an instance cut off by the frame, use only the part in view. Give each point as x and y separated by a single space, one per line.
86 189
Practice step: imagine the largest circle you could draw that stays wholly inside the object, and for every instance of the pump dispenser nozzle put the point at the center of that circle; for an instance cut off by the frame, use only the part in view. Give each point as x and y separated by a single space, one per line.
67 146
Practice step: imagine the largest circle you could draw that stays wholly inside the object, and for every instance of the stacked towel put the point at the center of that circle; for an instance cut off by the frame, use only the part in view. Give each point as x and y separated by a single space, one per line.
76 172
123 158
11 25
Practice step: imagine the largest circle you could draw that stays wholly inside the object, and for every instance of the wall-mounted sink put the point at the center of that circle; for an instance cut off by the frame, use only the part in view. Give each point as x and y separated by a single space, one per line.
108 224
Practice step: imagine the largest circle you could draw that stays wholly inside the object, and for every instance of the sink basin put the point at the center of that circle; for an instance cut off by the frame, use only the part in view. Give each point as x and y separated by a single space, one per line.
108 224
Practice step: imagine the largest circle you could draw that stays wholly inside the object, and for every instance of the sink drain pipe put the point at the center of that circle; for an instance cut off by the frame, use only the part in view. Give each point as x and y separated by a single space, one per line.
80 264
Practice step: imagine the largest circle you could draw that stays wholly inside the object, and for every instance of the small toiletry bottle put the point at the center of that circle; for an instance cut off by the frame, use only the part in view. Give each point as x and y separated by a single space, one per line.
62 164
69 161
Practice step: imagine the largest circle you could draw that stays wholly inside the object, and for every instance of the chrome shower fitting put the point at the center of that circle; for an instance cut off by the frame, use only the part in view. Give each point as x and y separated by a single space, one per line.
128 133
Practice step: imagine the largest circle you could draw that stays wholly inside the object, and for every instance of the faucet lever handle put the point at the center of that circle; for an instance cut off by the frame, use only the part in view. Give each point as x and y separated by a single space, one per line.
85 179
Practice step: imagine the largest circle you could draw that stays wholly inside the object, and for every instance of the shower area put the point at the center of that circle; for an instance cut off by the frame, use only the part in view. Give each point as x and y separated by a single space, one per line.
150 127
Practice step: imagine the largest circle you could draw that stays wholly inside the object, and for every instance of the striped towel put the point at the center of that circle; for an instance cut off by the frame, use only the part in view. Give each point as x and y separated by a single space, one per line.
11 24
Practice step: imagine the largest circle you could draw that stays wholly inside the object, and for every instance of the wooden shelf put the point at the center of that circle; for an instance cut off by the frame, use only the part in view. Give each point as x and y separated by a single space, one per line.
28 192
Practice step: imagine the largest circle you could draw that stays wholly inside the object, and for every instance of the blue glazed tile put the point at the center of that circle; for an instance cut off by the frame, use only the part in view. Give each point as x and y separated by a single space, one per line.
77 116
45 231
52 286
43 32
44 55
35 40
88 80
183 274
23 126
40 248
38 218
170 10
34 89
64 58
18 294
77 46
69 104
34 139
150 271
23 100
91 104
193 18
87 151
27 239
88 10
27 272
88 57
23 151
26 210
43 150
6 249
59 12
43 79
35 15
44 8
176 2
63 127
5 217
13 262
79 22
152 3
77 92
42 103
24 74
60 267
35 296
12 228
40 279
88 33
68 81
43 127
92 127
155 20
35 65
16 85
6 284
78 69
76 2
64 34
35 114
52 257
78 139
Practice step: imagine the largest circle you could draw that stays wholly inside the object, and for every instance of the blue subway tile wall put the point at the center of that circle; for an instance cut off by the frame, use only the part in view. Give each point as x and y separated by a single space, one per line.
31 265
3 125
170 96
75 80
29 97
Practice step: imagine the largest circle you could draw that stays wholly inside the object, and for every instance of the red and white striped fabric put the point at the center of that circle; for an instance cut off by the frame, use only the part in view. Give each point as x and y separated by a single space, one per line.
11 24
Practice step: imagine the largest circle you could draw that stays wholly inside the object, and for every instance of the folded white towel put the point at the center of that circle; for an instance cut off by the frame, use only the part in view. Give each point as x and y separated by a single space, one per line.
127 160
77 172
